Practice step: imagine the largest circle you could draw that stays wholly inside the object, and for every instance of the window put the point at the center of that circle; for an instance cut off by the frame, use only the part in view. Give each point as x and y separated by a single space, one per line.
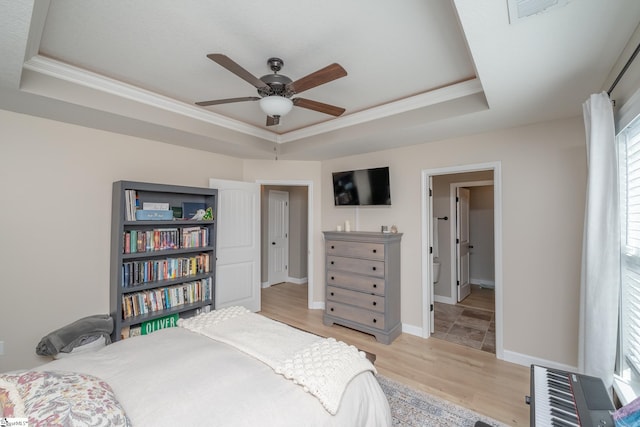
629 350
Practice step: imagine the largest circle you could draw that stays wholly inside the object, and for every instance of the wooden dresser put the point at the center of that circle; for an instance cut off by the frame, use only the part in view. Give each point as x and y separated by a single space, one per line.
363 282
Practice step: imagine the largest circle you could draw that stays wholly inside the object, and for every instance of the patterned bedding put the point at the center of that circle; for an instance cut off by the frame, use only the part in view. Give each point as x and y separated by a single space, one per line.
60 399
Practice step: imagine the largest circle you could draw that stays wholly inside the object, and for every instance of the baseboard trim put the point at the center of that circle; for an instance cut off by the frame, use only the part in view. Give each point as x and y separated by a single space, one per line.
526 360
412 330
294 280
491 284
444 300
317 305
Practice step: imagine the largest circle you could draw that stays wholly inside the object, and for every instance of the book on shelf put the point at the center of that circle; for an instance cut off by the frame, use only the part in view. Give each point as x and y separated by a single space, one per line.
132 203
177 212
139 272
161 239
155 206
135 331
165 298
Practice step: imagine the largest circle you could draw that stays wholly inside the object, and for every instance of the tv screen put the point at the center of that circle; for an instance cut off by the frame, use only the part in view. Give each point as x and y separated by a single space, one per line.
364 187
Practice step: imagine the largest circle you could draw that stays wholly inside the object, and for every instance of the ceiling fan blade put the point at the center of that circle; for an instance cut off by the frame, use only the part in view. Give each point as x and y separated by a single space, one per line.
236 69
320 77
273 121
318 106
227 101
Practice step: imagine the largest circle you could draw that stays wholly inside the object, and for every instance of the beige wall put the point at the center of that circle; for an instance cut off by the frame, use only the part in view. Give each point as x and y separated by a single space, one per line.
56 179
543 194
55 183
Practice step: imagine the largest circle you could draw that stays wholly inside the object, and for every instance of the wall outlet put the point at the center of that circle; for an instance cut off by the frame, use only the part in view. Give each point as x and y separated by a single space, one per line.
1 348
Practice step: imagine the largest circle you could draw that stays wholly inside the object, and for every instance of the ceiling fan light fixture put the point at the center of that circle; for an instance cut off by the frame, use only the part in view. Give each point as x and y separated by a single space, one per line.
276 105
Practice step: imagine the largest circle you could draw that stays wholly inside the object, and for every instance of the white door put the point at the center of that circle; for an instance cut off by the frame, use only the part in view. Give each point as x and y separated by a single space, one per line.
462 242
278 236
238 248
431 302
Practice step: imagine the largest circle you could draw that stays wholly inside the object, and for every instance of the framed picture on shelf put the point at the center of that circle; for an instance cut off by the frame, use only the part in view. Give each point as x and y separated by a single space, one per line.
189 209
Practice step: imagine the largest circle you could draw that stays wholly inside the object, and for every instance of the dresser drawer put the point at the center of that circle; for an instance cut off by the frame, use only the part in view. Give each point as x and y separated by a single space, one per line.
354 314
355 249
353 265
359 299
374 285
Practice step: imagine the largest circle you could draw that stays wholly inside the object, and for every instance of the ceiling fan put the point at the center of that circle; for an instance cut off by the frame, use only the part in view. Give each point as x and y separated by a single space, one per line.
276 90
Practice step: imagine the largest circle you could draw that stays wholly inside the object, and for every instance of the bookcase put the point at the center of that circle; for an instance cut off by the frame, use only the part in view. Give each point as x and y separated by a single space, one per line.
163 266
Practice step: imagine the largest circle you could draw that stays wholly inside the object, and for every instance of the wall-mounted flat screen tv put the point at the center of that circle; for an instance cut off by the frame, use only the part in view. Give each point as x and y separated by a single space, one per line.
363 187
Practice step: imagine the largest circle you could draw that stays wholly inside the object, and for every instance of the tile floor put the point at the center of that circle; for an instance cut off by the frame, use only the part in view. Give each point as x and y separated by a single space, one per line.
466 325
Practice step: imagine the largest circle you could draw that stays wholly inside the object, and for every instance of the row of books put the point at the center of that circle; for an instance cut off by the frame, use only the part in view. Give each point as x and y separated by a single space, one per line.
158 299
161 239
140 272
131 204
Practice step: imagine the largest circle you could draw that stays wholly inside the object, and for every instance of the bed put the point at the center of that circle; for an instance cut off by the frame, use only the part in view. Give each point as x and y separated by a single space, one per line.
220 368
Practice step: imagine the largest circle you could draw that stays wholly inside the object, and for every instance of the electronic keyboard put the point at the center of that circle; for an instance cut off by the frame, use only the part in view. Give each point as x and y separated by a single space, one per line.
566 399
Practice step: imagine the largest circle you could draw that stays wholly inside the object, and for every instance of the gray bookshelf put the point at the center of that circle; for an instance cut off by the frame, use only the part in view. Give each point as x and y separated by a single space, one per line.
160 268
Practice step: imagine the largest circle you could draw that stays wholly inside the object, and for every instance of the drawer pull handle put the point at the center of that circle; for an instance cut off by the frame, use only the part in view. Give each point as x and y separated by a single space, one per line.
375 250
374 303
333 247
332 262
374 269
375 286
332 295
375 320
331 308
333 278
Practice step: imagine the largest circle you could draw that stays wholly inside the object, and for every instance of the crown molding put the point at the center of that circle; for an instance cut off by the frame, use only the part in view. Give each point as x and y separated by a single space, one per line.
60 70
69 73
426 99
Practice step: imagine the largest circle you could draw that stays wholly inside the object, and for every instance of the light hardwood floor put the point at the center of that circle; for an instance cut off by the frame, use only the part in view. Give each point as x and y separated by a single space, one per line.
468 377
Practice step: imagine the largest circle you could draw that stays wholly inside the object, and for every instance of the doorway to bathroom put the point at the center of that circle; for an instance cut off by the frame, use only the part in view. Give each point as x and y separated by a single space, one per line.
461 222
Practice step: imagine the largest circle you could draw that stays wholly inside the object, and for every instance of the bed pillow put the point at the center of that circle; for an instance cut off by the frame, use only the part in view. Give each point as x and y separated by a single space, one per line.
51 398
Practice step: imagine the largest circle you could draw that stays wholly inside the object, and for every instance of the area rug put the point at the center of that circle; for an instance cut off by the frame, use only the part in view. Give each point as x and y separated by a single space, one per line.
414 408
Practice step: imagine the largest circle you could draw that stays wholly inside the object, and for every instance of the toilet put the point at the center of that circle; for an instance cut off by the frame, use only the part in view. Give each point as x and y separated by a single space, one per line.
436 269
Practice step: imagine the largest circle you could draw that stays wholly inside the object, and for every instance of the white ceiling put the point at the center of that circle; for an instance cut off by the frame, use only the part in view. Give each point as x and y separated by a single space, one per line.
418 70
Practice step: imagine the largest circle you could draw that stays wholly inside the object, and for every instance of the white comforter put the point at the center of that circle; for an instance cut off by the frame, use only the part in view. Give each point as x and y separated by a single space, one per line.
177 377
324 367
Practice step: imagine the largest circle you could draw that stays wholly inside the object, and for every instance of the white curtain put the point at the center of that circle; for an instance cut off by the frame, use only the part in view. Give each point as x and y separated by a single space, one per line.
600 281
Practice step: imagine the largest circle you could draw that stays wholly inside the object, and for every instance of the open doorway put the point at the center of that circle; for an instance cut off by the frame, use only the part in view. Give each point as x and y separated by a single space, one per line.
467 254
280 200
463 248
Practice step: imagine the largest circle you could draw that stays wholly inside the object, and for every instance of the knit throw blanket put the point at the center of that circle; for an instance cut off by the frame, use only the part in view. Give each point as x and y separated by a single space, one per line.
322 366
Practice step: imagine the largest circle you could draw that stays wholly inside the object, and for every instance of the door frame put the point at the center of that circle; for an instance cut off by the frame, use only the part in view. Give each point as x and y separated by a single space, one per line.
427 258
452 208
310 242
